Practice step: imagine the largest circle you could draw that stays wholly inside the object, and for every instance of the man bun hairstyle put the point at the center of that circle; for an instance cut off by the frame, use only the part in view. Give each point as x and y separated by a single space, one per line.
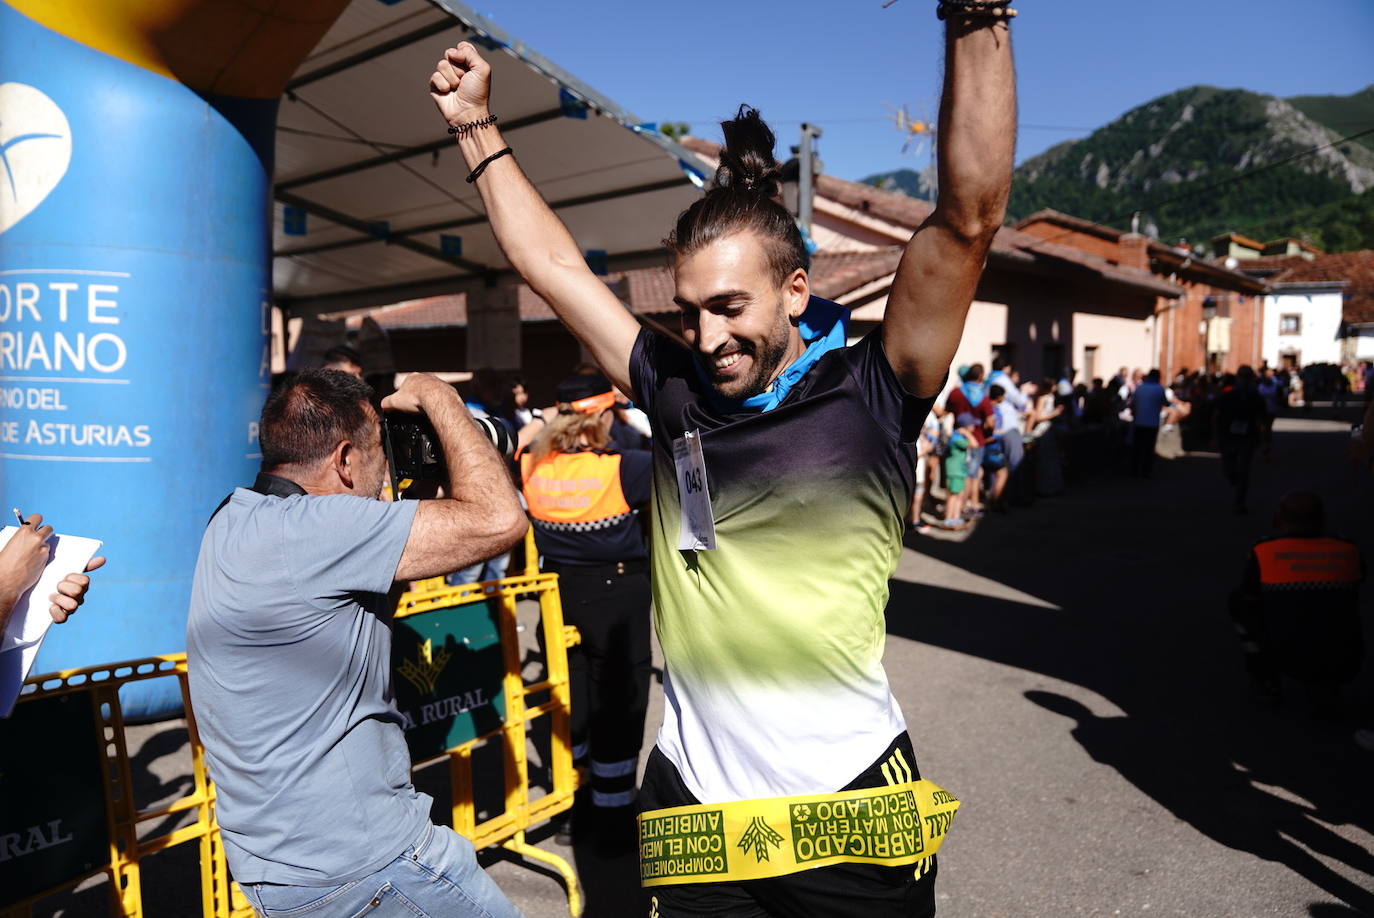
305 419
747 160
744 197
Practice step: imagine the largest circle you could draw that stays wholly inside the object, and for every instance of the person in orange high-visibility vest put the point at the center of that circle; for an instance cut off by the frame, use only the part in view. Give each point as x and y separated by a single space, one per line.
1297 609
584 500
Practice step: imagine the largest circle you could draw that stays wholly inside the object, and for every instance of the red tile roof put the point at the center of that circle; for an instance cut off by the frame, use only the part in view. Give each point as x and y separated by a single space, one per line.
1013 246
1302 244
1049 215
892 206
1240 240
648 291
1356 268
1172 259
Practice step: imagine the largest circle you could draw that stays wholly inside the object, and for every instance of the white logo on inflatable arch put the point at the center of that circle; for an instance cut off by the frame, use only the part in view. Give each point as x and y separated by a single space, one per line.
35 150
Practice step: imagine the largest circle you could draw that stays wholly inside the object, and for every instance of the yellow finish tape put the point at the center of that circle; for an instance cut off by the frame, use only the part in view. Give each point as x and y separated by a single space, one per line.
759 839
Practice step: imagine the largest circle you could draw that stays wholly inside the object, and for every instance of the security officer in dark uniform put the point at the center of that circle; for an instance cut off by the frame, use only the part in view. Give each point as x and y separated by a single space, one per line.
584 501
1297 609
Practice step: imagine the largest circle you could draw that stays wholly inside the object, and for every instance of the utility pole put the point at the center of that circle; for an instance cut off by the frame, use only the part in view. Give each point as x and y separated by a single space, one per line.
806 186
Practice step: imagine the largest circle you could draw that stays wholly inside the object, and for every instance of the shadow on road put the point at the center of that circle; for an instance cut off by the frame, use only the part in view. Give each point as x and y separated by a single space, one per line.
1198 782
1123 585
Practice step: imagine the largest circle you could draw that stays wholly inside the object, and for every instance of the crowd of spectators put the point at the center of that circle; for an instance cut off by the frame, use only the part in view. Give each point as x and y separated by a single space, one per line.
995 441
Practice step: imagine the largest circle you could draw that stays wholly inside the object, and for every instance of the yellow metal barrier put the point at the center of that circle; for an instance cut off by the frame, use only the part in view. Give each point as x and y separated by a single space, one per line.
119 853
98 688
521 810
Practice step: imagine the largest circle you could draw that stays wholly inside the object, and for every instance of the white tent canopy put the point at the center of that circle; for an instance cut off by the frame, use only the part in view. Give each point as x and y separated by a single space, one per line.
364 163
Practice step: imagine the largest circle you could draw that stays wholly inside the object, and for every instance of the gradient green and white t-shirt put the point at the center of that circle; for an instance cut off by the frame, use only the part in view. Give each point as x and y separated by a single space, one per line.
774 640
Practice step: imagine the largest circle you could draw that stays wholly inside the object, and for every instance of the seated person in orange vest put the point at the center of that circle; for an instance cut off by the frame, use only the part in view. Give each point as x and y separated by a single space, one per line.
1297 609
584 499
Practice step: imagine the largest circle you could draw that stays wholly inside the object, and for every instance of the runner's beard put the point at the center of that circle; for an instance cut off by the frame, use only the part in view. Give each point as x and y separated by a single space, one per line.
765 361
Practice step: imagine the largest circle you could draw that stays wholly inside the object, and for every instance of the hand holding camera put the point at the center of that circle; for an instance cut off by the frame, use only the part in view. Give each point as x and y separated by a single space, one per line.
421 421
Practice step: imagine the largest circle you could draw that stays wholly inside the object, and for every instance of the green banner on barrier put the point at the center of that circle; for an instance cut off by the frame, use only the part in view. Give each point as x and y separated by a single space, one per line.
447 671
52 799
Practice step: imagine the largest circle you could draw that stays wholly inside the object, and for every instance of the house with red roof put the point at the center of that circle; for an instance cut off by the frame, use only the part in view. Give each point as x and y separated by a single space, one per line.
1319 309
1212 320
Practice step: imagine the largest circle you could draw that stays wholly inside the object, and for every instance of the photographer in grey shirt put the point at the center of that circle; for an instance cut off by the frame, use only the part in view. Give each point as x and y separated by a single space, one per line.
289 647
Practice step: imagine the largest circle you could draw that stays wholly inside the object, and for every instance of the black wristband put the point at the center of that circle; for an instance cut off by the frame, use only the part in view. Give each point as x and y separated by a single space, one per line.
482 166
461 129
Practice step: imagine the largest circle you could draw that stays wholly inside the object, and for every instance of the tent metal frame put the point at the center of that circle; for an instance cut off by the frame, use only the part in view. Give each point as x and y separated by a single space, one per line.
492 37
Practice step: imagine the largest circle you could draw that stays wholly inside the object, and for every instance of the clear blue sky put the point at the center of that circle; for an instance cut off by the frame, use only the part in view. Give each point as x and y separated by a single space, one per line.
1081 63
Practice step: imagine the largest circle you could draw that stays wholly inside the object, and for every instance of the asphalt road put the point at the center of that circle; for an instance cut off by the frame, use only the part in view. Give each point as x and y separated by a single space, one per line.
1070 673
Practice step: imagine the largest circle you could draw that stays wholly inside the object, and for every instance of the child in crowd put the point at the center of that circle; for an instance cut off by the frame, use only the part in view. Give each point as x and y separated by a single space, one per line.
956 470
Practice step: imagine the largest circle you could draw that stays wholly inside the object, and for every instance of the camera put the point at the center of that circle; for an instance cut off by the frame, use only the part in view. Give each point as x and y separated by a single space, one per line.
416 456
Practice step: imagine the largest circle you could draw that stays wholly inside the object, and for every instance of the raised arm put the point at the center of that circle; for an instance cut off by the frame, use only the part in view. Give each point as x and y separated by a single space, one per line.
939 271
535 241
481 517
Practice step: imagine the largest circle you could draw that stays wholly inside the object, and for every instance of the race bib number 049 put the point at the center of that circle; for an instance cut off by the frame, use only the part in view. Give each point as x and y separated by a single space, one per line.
697 529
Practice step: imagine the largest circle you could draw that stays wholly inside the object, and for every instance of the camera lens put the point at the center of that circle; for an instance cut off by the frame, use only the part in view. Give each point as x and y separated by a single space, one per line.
498 431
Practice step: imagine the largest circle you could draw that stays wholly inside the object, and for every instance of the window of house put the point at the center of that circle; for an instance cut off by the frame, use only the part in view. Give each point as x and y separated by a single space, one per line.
1290 324
1005 351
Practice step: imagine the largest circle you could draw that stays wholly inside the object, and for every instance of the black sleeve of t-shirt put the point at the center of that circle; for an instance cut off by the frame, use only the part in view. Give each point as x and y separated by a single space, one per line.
900 413
636 476
643 369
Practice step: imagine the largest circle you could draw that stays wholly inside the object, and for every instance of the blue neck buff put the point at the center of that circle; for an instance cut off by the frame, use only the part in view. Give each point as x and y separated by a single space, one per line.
823 327
973 391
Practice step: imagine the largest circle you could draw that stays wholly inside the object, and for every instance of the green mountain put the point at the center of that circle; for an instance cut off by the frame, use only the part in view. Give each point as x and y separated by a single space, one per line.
1198 162
909 182
1202 161
1341 226
1345 115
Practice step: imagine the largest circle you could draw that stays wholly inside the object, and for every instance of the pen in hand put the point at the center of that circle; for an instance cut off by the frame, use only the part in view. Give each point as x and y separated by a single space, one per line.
20 517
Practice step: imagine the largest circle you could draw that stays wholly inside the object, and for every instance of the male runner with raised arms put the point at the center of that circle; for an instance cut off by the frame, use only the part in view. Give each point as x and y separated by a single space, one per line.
783 467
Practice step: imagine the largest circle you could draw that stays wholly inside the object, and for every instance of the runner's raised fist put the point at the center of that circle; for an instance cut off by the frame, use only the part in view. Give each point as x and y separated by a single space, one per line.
461 84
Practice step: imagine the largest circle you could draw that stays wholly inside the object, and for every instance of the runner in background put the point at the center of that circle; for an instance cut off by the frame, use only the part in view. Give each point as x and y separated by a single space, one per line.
1237 420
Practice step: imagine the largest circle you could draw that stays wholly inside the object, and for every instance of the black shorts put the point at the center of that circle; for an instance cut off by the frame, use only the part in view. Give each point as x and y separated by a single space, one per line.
841 890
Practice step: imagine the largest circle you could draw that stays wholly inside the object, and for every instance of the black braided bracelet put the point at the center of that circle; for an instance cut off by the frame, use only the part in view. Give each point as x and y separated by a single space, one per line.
482 166
467 126
969 9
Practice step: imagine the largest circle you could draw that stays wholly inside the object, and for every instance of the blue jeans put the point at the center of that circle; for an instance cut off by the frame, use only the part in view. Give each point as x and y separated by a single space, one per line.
437 877
491 569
